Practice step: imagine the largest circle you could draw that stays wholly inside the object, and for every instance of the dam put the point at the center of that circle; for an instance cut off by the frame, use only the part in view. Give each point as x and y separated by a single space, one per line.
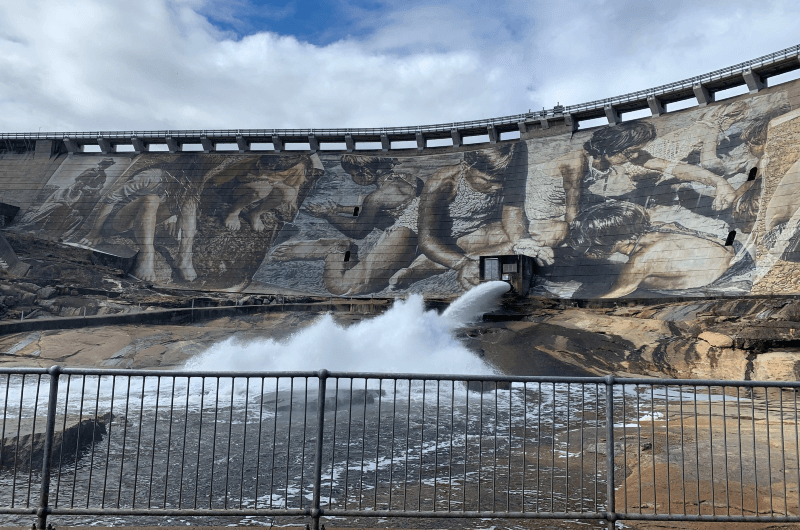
693 202
693 209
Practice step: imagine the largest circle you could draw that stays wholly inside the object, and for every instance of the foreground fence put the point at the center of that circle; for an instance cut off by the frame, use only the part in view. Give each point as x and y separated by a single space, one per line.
355 445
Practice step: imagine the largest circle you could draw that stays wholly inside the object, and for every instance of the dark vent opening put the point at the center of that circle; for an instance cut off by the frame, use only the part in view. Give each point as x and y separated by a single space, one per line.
347 256
355 211
731 237
753 173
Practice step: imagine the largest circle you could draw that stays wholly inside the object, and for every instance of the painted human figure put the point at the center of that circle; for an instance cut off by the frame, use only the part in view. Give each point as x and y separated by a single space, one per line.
390 208
148 198
65 210
619 155
471 209
267 185
659 257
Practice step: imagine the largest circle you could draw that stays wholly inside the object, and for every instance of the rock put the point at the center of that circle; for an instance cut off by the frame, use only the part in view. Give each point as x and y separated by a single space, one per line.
46 293
600 448
72 440
716 339
776 366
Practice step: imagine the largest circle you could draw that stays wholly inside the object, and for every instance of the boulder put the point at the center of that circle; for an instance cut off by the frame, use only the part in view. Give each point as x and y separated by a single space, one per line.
69 440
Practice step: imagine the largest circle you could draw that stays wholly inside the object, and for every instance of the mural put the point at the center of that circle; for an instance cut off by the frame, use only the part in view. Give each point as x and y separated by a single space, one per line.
699 202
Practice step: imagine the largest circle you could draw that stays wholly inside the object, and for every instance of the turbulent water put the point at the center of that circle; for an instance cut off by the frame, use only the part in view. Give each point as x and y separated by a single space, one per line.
405 339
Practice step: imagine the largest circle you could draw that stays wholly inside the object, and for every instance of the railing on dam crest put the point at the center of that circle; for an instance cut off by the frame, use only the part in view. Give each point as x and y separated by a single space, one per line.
138 444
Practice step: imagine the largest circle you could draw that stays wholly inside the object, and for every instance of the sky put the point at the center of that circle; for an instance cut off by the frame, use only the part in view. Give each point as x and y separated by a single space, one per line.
92 65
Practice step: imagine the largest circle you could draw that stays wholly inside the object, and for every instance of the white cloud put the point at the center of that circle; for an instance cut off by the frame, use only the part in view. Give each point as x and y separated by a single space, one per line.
156 64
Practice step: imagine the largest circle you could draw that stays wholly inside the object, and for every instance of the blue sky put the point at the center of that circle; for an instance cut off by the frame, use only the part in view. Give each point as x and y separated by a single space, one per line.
318 22
202 64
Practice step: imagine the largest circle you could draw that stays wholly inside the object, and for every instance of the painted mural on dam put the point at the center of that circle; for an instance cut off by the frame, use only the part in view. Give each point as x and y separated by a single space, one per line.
701 201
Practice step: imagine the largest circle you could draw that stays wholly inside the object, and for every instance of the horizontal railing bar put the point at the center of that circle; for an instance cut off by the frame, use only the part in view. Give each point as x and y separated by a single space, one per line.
175 511
406 376
709 518
618 381
466 515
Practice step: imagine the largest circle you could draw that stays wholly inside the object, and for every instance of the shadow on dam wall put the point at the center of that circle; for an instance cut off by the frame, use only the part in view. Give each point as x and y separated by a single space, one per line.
694 203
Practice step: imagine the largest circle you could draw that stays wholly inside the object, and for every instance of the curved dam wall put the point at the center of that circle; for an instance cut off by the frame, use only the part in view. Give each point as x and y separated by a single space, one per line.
699 202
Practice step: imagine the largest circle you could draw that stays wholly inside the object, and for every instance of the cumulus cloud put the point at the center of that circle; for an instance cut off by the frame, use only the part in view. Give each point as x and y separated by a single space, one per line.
160 64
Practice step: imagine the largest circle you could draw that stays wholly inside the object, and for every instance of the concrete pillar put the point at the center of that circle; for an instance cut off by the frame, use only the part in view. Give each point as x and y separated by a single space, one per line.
704 97
493 136
421 142
43 149
244 145
313 143
543 123
105 146
386 144
172 145
523 127
277 143
349 143
656 106
455 134
571 122
208 145
72 146
138 145
612 115
754 81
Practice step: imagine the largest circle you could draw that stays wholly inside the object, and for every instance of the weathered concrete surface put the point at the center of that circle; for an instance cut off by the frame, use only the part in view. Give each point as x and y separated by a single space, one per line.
694 203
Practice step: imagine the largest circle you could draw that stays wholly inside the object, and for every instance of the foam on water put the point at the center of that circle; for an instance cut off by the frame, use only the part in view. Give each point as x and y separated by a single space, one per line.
405 339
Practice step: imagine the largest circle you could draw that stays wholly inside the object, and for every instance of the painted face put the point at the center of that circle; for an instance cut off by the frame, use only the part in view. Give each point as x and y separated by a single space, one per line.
482 182
287 175
362 175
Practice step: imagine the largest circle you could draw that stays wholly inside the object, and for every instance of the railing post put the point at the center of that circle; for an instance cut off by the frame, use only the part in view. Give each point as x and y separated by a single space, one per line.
315 509
50 427
611 516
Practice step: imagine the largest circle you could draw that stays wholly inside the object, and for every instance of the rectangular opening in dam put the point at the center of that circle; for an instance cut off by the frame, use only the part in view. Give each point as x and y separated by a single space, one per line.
594 122
91 149
784 77
191 147
510 135
730 92
440 142
480 139
157 148
123 148
261 146
302 146
226 147
636 114
368 146
332 146
680 105
410 144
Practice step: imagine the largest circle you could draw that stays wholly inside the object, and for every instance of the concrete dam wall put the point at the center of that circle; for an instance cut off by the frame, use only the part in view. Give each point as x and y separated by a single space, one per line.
698 202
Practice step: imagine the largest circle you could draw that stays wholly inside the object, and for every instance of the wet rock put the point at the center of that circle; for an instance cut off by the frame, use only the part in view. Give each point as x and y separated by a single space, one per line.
69 442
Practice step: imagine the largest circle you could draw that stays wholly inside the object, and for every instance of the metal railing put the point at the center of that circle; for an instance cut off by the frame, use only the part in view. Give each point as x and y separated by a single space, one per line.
119 443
